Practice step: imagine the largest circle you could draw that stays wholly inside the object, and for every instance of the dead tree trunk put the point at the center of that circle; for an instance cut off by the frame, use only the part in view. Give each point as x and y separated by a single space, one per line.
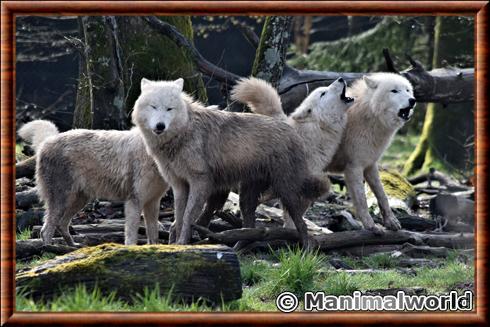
116 57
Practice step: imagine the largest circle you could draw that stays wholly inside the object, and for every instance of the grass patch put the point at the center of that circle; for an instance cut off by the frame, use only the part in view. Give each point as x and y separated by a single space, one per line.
298 270
381 261
290 270
252 271
24 234
399 151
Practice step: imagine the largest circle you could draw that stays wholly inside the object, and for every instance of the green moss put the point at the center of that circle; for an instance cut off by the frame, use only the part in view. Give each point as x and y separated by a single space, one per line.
395 185
155 56
115 267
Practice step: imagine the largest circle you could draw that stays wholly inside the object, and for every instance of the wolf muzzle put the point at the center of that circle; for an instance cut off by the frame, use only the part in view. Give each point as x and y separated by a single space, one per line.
342 95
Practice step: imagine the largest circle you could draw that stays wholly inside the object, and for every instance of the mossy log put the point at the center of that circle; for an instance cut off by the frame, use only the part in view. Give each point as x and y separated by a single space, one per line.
401 194
184 272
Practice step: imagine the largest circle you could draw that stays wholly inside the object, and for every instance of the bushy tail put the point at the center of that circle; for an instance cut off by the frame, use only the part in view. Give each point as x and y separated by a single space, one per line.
36 131
260 96
314 187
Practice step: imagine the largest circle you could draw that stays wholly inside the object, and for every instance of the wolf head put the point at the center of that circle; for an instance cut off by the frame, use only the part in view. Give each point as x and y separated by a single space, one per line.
324 103
391 98
160 107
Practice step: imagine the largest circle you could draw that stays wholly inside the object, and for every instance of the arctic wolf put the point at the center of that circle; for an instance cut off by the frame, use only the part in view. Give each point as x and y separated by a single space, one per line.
202 152
320 119
383 103
79 165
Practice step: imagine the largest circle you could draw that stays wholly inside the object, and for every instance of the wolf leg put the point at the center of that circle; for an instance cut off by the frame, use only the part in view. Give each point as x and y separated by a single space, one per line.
295 210
195 203
49 226
75 203
181 194
132 213
353 181
371 175
215 202
150 213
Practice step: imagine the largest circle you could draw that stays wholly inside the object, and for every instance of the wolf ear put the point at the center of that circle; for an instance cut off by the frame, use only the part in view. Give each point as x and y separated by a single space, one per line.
144 83
371 83
180 83
301 115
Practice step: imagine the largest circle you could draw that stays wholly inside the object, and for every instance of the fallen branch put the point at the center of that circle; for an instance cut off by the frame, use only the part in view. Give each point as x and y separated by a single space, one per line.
340 240
203 65
25 168
26 199
443 85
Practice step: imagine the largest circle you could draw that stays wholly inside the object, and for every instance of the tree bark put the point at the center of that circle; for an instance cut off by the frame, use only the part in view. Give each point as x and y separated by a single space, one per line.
271 53
446 129
116 57
184 272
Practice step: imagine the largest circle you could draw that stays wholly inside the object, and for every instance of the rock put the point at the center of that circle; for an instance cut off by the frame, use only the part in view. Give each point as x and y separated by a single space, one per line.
401 194
453 208
190 272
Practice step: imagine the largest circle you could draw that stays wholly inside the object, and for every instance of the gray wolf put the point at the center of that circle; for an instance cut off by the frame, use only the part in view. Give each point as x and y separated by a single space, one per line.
383 103
202 152
320 119
79 165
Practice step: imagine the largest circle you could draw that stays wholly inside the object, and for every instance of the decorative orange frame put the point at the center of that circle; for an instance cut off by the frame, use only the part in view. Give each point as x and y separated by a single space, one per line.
10 9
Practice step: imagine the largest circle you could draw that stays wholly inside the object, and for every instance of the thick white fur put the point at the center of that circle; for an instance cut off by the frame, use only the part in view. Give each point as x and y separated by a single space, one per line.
372 121
79 165
36 131
320 119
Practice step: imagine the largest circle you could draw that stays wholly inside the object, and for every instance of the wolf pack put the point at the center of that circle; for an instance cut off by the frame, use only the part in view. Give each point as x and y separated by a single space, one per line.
202 153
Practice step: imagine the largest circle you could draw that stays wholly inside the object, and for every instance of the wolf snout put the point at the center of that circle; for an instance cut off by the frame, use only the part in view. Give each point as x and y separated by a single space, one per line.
159 128
411 102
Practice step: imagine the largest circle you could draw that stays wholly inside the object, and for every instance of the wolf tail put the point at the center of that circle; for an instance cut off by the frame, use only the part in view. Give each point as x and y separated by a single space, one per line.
260 96
36 131
314 187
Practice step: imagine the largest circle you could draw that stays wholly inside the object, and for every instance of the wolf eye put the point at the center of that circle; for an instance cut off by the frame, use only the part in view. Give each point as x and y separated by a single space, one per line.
168 109
309 111
323 93
394 91
154 107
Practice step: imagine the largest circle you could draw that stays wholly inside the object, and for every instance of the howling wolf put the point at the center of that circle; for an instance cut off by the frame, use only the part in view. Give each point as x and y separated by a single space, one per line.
79 165
320 119
201 152
383 103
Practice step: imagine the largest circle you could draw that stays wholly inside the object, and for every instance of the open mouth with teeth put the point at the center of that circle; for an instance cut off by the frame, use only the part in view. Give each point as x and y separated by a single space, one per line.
343 97
405 113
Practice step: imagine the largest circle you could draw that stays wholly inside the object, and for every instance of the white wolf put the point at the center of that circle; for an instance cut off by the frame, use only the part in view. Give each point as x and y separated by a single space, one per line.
203 152
320 119
79 165
383 103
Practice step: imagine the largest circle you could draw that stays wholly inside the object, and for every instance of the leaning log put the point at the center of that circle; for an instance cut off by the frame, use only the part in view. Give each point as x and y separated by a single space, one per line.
182 272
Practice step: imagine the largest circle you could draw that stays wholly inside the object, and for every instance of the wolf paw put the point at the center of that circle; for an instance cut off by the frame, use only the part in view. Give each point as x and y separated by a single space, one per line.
376 229
392 224
172 236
